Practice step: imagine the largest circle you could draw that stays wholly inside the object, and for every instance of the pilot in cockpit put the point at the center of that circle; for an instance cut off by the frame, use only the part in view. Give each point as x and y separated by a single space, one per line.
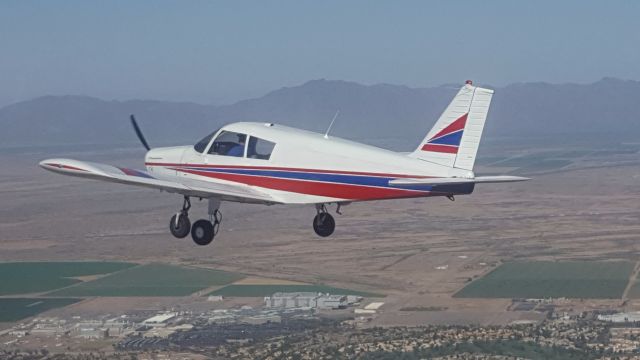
238 148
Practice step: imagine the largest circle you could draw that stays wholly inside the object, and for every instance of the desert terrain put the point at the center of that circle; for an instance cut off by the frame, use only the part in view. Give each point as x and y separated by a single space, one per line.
582 204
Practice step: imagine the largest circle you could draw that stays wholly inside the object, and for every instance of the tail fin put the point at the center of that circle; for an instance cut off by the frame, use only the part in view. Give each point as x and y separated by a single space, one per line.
454 139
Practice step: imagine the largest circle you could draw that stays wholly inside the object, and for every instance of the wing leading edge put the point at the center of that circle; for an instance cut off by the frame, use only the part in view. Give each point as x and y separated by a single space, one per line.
104 172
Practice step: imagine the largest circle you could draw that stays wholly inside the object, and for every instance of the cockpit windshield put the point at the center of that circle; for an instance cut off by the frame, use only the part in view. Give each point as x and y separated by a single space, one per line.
229 143
201 145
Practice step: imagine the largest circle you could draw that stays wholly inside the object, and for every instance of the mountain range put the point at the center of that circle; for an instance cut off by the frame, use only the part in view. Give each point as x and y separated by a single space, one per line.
367 112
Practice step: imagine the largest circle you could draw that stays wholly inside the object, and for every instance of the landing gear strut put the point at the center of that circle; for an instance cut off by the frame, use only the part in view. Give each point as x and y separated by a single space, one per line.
203 231
180 224
323 223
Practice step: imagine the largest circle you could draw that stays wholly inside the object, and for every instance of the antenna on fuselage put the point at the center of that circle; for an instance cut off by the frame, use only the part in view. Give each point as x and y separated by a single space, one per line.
326 134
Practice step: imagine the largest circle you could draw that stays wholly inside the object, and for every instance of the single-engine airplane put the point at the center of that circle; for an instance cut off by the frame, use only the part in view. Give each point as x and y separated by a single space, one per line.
271 164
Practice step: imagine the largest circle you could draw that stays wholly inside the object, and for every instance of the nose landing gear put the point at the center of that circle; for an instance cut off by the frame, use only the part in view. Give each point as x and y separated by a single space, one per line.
180 224
323 223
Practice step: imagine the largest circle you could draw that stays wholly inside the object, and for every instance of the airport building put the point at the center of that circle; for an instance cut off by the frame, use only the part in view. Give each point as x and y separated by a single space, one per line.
160 319
309 300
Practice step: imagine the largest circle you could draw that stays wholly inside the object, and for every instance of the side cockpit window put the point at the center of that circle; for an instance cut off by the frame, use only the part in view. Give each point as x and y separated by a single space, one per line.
201 145
259 148
229 143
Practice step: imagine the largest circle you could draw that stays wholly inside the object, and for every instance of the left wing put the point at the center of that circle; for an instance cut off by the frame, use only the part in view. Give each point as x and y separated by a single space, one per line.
455 181
104 172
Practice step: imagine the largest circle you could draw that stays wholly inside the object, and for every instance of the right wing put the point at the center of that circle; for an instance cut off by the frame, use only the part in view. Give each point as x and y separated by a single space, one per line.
104 172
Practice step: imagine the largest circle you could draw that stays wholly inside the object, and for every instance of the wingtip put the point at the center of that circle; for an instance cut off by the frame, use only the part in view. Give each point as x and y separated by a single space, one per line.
47 164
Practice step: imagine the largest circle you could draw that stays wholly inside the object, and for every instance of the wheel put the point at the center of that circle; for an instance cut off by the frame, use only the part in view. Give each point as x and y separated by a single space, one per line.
323 224
181 229
202 232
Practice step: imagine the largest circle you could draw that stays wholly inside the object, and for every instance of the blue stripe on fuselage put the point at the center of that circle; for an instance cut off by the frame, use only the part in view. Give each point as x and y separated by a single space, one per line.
334 178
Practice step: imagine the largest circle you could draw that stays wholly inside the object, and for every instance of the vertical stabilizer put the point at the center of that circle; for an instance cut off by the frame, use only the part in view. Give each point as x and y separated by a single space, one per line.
454 139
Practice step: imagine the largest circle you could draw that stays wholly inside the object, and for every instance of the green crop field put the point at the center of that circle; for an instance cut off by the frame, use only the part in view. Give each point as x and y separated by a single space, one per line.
543 279
152 280
14 309
266 290
33 277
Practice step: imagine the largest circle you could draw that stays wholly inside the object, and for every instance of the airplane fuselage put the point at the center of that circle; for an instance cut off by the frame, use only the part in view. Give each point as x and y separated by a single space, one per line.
270 164
342 170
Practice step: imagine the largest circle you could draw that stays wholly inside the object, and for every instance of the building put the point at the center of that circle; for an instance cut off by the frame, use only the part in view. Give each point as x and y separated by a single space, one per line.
307 300
165 332
621 317
291 300
160 319
90 330
332 302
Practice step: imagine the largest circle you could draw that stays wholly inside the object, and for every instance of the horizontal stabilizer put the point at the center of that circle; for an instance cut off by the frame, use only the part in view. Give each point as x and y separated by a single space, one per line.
453 181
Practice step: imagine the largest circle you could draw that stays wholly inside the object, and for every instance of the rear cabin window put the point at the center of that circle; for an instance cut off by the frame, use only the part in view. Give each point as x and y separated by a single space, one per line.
229 143
259 148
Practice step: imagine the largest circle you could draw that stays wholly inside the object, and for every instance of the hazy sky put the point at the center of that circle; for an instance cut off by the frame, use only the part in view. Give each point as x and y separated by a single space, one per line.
221 51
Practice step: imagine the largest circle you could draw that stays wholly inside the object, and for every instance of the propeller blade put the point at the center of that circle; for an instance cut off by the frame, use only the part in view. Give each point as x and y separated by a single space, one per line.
139 132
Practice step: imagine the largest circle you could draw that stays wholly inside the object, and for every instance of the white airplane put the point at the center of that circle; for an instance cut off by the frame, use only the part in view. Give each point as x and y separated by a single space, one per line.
271 164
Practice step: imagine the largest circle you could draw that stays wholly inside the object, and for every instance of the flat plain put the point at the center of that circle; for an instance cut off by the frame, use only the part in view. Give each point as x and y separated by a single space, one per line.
14 309
266 290
35 277
547 279
582 205
151 280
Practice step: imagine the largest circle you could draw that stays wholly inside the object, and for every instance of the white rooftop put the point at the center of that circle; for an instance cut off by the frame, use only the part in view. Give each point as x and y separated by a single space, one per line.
160 318
374 306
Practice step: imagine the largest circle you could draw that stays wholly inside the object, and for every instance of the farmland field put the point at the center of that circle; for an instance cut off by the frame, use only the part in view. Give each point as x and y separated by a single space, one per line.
33 277
634 292
542 279
14 309
266 290
152 280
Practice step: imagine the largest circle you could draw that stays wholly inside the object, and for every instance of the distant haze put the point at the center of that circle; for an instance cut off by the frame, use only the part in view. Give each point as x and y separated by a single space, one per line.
218 52
606 108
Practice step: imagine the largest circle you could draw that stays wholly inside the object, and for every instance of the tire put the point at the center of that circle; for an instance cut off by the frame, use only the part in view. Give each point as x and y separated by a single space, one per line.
182 229
202 232
324 224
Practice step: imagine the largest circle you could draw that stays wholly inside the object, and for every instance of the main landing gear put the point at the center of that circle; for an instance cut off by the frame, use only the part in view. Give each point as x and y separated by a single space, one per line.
202 231
323 223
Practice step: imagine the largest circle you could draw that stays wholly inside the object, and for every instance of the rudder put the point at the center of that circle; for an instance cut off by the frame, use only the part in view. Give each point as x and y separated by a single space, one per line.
454 139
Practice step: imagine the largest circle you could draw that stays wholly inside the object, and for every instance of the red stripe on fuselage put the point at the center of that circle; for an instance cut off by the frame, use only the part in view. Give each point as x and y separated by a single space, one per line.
340 191
291 169
440 148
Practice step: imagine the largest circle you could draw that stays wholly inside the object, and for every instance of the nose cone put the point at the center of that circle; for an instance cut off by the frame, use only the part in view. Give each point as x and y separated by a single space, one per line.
165 155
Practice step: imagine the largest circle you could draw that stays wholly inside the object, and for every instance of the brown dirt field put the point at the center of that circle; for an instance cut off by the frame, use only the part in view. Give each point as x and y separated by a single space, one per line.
588 211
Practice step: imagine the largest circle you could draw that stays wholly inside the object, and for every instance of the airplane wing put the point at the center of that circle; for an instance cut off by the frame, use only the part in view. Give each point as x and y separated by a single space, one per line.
104 172
455 181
